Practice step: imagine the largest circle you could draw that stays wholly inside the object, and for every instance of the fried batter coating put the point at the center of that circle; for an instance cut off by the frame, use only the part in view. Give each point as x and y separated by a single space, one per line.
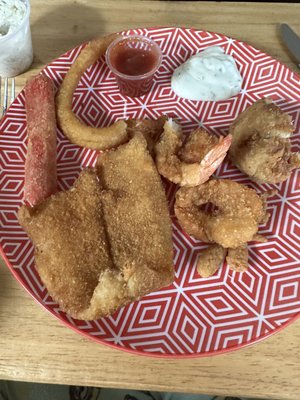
106 241
76 131
233 223
137 217
71 246
237 259
151 129
260 238
197 145
260 143
210 259
173 159
40 165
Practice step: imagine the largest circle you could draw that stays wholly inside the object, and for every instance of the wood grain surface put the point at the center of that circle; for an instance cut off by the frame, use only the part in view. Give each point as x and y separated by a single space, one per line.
34 346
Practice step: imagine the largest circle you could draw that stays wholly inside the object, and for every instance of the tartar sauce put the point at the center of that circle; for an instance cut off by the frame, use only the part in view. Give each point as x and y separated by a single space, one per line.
210 75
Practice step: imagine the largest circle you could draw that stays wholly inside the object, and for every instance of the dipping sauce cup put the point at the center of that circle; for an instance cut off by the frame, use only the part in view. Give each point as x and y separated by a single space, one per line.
16 47
133 60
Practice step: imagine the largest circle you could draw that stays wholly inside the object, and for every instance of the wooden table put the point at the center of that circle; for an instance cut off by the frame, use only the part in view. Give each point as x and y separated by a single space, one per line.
36 347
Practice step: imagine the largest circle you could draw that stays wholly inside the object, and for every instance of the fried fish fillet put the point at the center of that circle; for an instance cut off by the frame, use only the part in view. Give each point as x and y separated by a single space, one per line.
106 241
137 217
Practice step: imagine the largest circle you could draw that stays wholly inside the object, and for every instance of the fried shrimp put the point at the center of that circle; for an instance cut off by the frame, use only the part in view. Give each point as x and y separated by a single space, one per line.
235 220
78 132
192 163
260 143
151 129
210 260
237 259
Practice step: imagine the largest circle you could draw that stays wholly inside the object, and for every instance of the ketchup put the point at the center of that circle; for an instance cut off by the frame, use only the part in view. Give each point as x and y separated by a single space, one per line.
134 60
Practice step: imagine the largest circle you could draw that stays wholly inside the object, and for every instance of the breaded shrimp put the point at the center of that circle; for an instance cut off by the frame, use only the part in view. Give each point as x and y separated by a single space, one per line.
237 259
151 129
210 259
260 143
234 222
193 163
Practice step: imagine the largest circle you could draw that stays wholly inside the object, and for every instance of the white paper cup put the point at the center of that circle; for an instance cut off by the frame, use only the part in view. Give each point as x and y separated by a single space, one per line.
16 48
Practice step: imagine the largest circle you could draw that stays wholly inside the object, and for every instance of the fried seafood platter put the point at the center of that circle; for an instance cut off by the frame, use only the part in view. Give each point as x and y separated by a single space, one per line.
156 224
96 247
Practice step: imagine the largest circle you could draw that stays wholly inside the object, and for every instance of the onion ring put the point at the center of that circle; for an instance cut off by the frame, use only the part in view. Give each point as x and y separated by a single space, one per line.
76 131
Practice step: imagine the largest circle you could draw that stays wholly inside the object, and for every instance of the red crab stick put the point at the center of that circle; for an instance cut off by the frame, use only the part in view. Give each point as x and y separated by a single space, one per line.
40 165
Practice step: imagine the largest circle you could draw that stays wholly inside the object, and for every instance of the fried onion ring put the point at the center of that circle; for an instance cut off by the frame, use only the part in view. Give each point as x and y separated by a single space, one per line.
76 131
234 222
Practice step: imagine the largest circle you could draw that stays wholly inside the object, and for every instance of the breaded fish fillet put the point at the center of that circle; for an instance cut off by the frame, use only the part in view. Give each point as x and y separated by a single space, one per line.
106 241
71 247
137 217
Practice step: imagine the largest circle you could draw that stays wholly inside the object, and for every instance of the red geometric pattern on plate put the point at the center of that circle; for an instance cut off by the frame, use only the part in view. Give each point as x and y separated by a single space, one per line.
194 316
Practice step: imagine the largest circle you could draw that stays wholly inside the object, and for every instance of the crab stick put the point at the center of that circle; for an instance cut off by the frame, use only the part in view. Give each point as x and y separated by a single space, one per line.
40 164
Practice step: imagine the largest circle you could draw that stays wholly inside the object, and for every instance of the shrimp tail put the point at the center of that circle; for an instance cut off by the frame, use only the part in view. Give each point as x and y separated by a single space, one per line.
196 174
214 158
